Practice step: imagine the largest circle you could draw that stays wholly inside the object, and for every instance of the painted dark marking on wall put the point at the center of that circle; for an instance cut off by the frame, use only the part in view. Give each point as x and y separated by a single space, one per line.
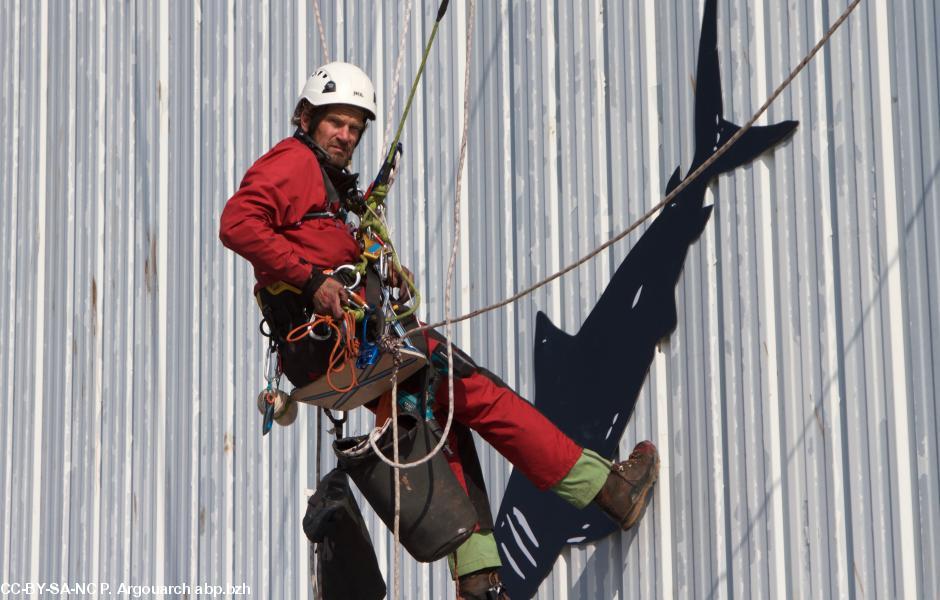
588 383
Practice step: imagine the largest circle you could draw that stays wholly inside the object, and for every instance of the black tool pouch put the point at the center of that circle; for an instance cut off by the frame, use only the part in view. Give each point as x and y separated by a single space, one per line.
436 516
347 566
306 359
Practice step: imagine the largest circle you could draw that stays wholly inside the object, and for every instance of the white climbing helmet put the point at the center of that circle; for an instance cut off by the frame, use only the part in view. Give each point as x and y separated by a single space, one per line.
341 83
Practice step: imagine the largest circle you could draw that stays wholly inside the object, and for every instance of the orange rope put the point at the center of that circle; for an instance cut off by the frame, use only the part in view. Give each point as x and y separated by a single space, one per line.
345 349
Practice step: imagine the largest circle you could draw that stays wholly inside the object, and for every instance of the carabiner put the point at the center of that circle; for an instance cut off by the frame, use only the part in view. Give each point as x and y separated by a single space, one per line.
355 272
311 331
271 366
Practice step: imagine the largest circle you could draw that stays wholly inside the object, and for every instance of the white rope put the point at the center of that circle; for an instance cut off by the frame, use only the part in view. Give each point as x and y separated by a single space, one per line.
390 112
448 327
376 433
323 49
396 581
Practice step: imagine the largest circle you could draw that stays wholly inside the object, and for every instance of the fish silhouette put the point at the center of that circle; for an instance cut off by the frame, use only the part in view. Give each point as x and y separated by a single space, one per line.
588 383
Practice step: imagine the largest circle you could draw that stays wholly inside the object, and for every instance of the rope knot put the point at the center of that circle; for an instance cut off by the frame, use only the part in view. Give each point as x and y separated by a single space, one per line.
392 345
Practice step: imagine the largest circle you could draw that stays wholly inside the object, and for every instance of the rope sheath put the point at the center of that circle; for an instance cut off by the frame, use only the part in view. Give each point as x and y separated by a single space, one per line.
323 49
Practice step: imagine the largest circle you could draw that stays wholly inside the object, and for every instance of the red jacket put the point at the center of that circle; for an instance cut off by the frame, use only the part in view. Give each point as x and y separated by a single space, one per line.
262 221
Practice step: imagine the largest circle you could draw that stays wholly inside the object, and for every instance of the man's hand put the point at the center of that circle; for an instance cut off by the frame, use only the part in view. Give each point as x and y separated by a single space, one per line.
397 281
329 298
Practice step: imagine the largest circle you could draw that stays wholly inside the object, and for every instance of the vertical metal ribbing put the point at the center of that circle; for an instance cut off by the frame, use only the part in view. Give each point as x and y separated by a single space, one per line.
198 338
833 362
97 359
461 277
71 202
549 123
769 318
601 164
419 128
716 572
130 296
303 559
507 222
229 268
39 303
300 33
270 476
163 292
833 398
658 377
866 242
904 555
10 342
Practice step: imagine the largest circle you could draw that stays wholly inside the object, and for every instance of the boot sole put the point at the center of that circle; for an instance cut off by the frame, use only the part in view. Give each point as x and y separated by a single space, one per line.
643 496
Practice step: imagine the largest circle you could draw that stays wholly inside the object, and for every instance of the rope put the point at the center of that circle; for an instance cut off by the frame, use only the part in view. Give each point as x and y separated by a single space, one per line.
314 558
345 348
448 328
417 79
396 558
669 198
323 49
397 76
450 274
396 586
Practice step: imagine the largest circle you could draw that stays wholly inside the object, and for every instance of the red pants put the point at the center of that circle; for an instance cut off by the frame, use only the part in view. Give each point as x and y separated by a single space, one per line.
518 431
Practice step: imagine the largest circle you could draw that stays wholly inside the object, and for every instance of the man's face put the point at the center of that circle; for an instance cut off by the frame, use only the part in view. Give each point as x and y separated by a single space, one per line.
338 132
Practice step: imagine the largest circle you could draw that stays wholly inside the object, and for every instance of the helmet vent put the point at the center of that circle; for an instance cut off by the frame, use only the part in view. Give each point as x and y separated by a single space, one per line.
340 83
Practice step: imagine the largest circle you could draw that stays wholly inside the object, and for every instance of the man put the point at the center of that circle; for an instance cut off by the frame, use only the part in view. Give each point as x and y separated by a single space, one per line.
290 218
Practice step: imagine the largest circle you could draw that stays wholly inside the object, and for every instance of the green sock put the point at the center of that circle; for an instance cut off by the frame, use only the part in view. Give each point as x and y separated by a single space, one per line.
579 487
478 552
584 480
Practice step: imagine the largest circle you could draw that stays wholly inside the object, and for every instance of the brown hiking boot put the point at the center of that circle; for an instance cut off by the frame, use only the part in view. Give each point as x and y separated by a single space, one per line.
481 585
626 491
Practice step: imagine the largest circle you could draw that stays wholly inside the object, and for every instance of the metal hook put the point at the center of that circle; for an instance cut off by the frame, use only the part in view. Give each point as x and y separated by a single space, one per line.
311 331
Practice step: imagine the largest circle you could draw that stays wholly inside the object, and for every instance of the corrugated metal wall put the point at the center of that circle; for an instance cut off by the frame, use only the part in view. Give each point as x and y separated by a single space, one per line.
795 406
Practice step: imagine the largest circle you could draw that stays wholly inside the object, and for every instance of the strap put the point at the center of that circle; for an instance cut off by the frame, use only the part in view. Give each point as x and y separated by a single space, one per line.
374 297
323 214
332 196
333 177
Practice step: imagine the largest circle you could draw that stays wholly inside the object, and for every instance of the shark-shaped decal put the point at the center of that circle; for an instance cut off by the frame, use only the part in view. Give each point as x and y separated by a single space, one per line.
588 384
